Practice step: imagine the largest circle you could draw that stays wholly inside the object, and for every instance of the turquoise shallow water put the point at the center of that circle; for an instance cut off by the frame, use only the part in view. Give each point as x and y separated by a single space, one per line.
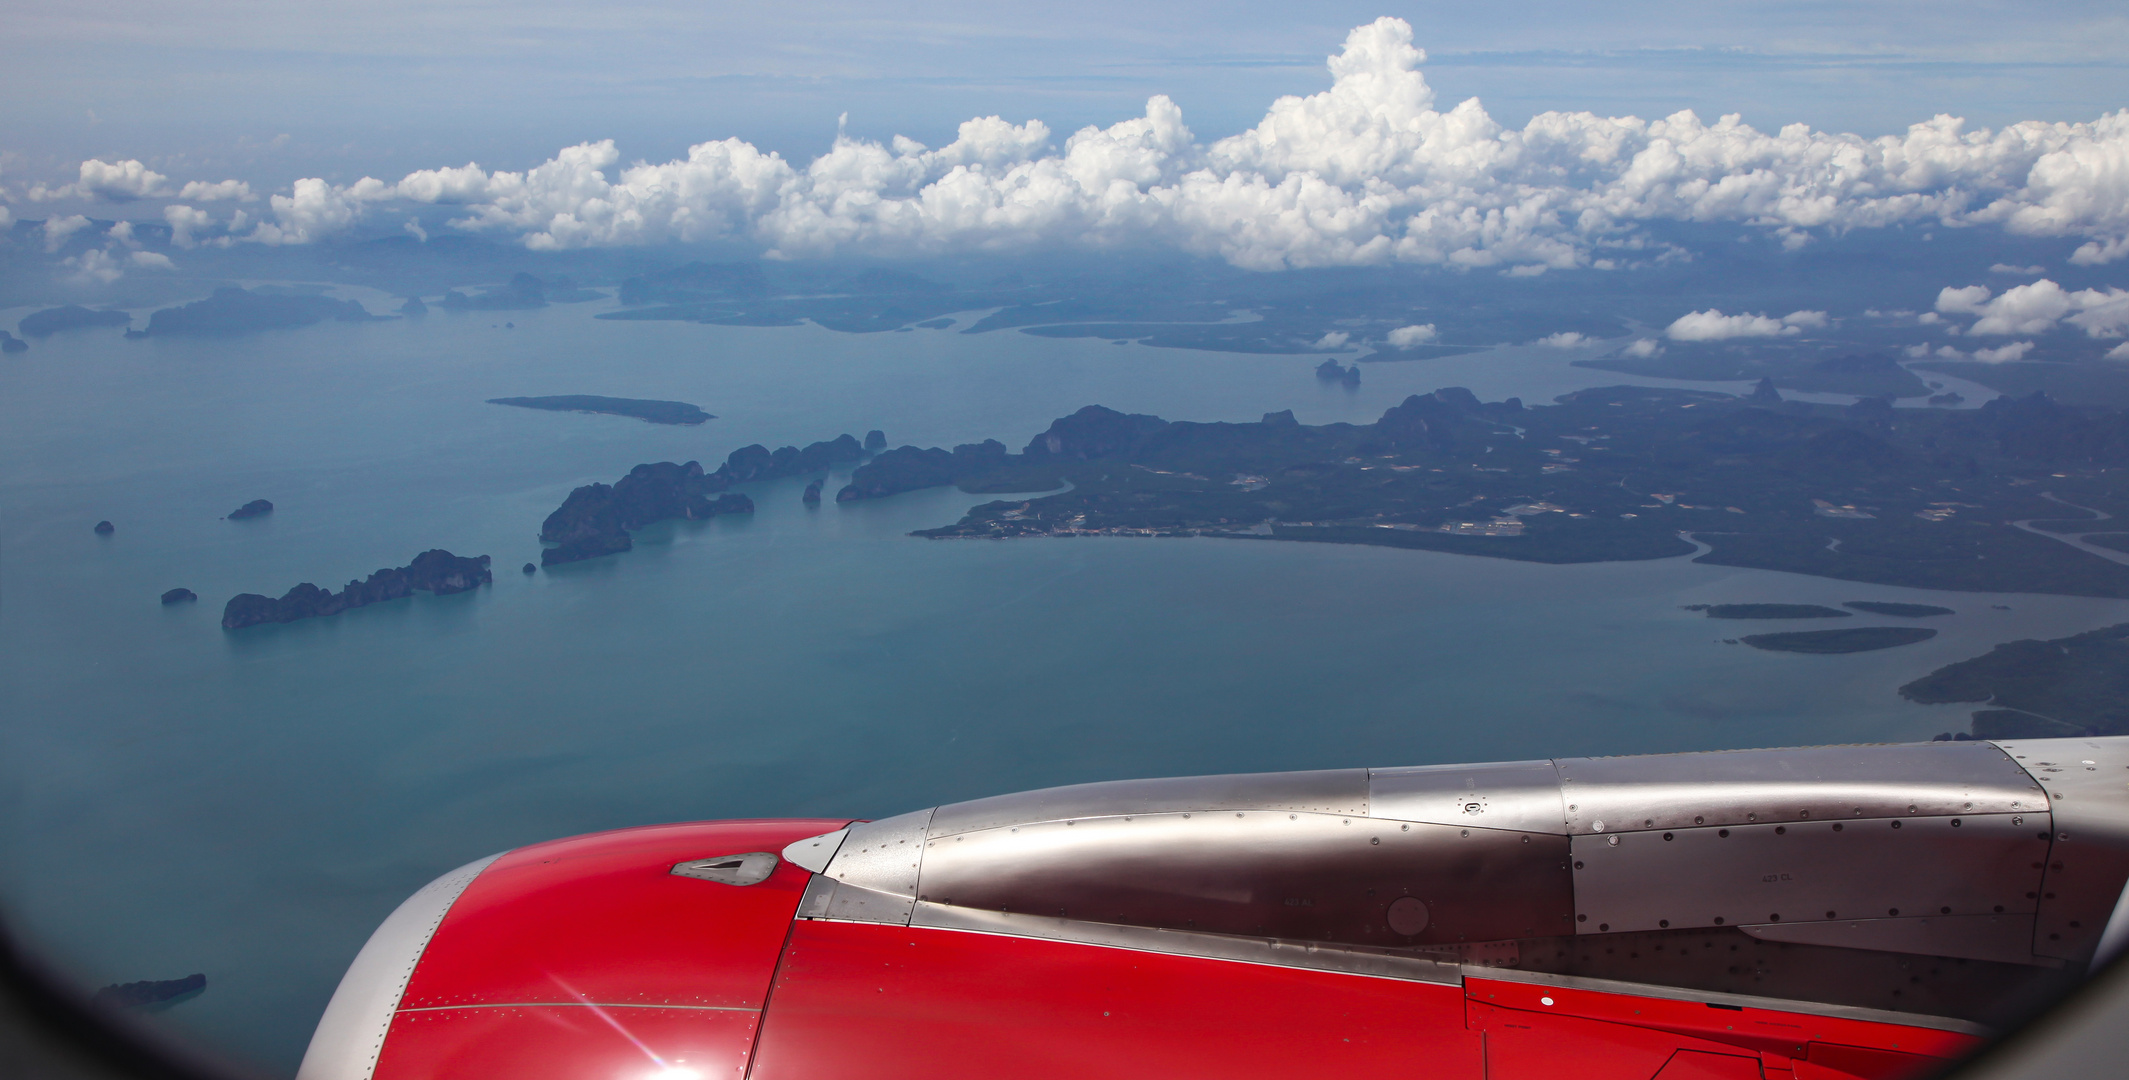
177 799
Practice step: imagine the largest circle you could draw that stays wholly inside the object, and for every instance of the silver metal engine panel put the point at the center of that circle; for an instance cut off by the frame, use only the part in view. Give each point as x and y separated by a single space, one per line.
1952 849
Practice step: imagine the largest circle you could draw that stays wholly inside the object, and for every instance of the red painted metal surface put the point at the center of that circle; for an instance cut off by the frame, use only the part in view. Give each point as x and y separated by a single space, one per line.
881 1002
1539 1031
587 957
563 1042
1701 1065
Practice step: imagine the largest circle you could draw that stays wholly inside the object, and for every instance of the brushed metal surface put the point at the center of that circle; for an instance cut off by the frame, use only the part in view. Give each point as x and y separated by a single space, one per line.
1520 795
1329 791
2087 781
1295 875
750 868
882 856
1980 864
2006 938
813 903
1812 783
1269 951
852 903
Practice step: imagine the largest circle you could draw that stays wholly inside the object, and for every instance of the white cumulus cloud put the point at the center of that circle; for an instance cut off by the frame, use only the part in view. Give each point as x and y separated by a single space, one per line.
1565 339
201 191
2119 352
186 222
57 230
1713 325
2039 307
2004 354
1336 339
1372 170
1404 337
1643 347
315 208
110 181
96 264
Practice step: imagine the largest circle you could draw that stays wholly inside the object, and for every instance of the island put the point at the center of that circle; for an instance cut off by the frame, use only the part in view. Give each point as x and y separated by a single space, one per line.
71 317
812 494
236 311
435 571
1899 611
179 596
1331 371
1919 498
1768 611
9 343
2071 686
413 308
150 994
252 509
596 519
105 528
644 409
1828 642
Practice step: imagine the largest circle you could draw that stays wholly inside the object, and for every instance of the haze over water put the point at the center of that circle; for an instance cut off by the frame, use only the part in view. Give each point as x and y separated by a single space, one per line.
250 805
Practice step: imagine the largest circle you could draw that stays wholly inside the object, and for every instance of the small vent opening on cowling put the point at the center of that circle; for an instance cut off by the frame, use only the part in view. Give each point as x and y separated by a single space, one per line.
752 868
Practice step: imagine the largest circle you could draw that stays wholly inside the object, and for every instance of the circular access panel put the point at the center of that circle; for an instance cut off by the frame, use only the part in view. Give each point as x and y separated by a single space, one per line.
1408 915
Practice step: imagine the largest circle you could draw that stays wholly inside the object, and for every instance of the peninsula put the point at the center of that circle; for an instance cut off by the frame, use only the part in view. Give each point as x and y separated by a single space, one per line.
436 571
2072 686
1866 493
644 409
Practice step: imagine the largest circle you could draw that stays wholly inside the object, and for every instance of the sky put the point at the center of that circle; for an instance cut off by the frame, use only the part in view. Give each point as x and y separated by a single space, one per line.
273 91
1523 136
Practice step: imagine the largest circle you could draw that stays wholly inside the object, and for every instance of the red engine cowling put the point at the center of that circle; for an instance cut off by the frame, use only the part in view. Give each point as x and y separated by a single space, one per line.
1586 917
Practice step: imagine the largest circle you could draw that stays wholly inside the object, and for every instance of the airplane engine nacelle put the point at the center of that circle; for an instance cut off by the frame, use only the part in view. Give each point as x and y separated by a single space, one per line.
1859 910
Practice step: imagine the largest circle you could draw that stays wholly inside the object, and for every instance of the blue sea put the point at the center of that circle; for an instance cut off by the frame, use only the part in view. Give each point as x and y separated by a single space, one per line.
174 798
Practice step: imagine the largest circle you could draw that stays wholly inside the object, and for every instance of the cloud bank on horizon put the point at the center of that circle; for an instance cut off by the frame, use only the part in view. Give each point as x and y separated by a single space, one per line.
1366 172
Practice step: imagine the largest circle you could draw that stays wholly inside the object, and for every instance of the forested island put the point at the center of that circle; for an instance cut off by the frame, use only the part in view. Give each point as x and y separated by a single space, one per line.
644 409
150 994
1835 642
1918 498
234 311
596 518
435 571
1769 611
71 317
